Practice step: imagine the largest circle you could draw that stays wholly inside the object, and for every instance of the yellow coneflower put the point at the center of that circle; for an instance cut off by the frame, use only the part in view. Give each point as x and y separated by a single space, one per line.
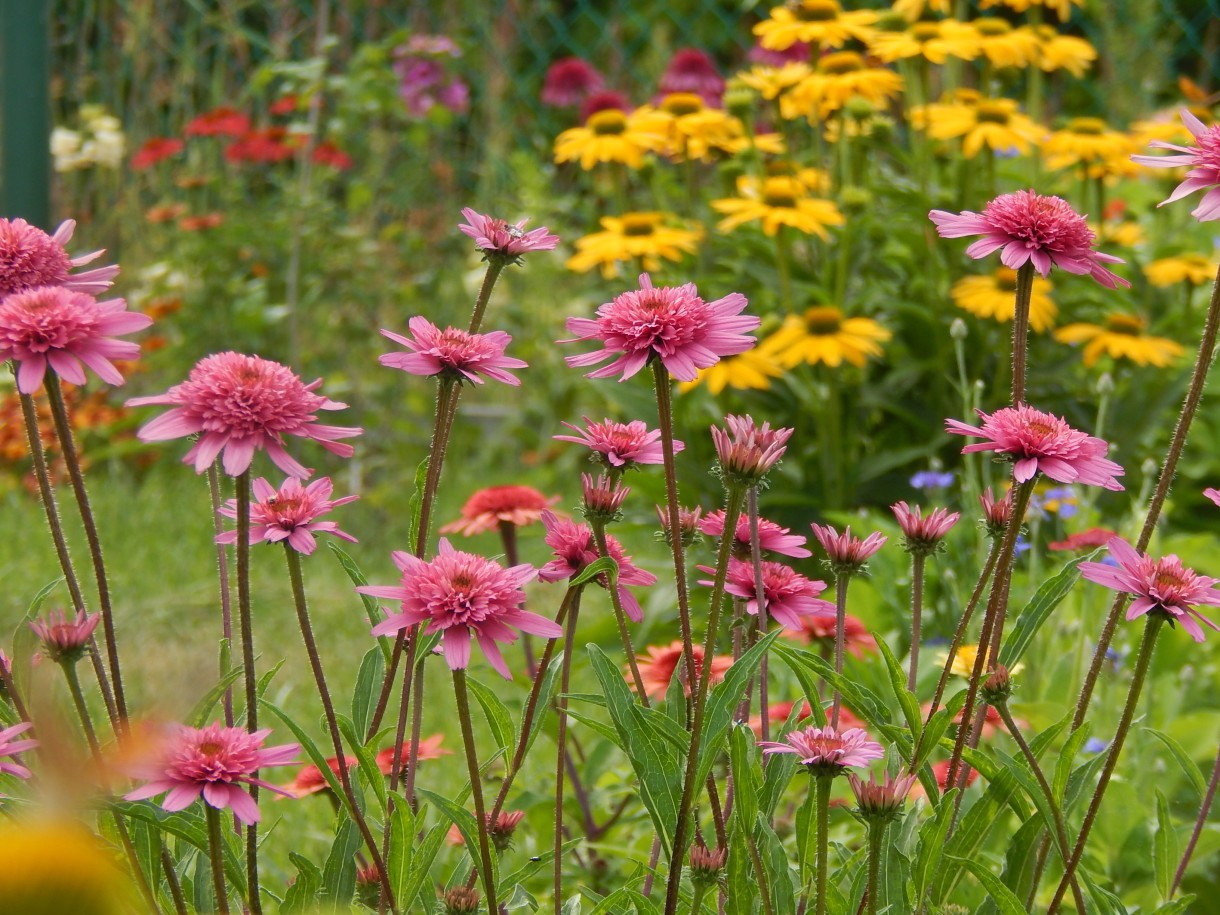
823 334
611 135
1122 337
1195 269
1126 233
934 41
1005 46
1089 142
820 22
749 371
1167 127
993 296
772 82
913 9
1062 7
964 658
995 123
777 201
646 236
838 78
60 867
1057 51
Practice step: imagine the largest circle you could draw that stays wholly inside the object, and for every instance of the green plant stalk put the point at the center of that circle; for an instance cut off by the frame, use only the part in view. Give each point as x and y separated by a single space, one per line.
1020 329
603 550
841 581
760 597
1142 662
918 559
876 832
246 622
1199 823
217 859
760 874
476 788
508 538
383 900
696 905
222 566
783 265
823 837
733 504
494 268
561 707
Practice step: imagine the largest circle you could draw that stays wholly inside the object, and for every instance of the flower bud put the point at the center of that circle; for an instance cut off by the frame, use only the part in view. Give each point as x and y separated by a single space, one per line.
998 686
461 901
706 865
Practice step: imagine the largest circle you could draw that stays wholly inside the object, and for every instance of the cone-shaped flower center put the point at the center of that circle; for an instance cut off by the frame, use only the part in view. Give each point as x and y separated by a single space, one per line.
1125 324
925 31
780 192
1089 126
823 320
211 748
1006 279
992 113
990 26
818 11
682 103
639 226
607 122
841 62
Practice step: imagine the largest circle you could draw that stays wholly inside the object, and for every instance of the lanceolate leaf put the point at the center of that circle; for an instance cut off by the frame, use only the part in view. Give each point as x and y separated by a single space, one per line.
1038 610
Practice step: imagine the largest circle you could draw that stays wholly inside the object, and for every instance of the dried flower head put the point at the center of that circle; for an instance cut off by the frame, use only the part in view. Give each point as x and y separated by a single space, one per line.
65 640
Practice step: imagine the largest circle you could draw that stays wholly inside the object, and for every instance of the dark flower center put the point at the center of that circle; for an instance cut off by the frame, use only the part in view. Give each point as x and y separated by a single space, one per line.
823 320
1128 325
991 113
817 11
608 122
1089 126
990 26
682 103
841 62
639 226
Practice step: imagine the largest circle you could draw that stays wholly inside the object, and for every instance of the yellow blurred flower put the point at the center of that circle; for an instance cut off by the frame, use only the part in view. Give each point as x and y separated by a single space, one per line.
820 22
1062 7
611 135
995 123
1089 142
1126 233
823 334
913 9
778 201
1057 51
935 41
1005 46
772 82
994 296
60 868
695 131
964 658
1195 269
633 235
838 78
1122 337
751 370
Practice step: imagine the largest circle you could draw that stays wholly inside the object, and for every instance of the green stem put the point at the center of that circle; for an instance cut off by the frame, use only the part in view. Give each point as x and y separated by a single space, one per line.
823 863
1200 821
917 564
603 550
476 789
876 832
217 859
761 599
222 565
246 622
561 707
494 267
783 264
1020 330
841 582
696 905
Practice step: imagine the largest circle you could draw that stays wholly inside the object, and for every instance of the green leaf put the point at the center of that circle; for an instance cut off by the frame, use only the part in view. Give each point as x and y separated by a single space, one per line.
191 828
907 701
535 864
202 711
607 565
467 825
402 848
339 872
1038 610
421 863
932 845
1164 848
371 607
1067 757
264 682
746 767
368 684
415 504
1186 764
497 715
739 875
302 895
1176 907
544 702
367 760
1004 898
598 727
316 756
858 698
723 702
148 850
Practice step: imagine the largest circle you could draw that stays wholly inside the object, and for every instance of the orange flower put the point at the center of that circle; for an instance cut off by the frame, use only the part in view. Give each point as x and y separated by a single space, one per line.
658 666
487 509
818 628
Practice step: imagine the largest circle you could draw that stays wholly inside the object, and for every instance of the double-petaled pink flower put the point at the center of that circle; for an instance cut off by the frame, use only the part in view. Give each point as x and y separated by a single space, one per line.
1161 586
845 553
9 748
1204 161
771 537
569 81
1040 442
500 240
620 445
461 595
240 404
997 513
214 761
289 513
493 506
826 751
29 258
670 323
575 548
1027 227
65 638
746 451
789 595
603 496
922 534
453 353
881 801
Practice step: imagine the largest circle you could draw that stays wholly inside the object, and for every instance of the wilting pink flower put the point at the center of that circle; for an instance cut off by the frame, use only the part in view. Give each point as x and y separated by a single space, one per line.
1030 227
238 404
603 496
923 533
52 325
289 513
1083 540
496 238
845 552
453 353
215 761
429 748
688 524
670 323
692 70
819 628
881 801
459 594
789 594
771 537
65 639
658 666
488 508
569 81
29 258
575 548
826 750
10 748
620 445
996 515
1041 442
1204 161
1163 586
746 451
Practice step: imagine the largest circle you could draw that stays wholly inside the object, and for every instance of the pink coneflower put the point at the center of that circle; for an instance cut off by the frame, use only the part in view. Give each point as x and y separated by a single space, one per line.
778 712
65 639
238 404
1161 586
881 801
1030 227
310 780
575 549
496 238
453 353
797 53
620 445
923 533
501 829
54 326
819 629
603 496
154 150
459 595
670 323
1204 161
746 452
789 594
488 508
771 537
10 748
827 751
847 554
658 666
940 771
692 70
1041 442
1083 540
996 514
607 100
569 81
429 748
29 258
688 524
289 513
214 761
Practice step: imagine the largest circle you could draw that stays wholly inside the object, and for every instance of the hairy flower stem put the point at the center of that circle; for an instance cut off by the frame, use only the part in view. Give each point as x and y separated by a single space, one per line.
217 860
396 771
917 563
67 444
1020 330
315 663
508 538
494 267
732 510
876 832
561 707
696 906
1207 349
246 622
1142 662
760 596
1199 823
222 566
823 839
476 788
603 551
841 581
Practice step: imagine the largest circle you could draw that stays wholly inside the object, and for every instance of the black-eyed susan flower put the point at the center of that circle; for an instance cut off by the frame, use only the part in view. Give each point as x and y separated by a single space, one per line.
1005 46
1195 269
1091 143
611 135
1122 337
1057 51
993 296
777 201
820 22
1062 7
823 334
914 9
647 236
838 78
752 370
995 123
935 41
772 82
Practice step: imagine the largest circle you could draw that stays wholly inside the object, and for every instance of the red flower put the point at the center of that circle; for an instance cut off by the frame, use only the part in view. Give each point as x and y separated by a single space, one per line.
156 150
286 104
219 122
270 145
332 156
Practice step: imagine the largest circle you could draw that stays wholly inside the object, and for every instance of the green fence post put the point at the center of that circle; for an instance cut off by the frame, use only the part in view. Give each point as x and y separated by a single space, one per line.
25 111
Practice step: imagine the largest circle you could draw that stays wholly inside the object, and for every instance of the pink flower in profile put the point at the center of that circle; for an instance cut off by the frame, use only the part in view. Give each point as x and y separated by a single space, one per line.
429 748
658 666
1204 161
1088 539
923 533
881 801
214 761
289 513
569 81
575 548
996 514
670 323
1161 586
494 506
29 258
771 537
65 639
827 751
847 554
497 239
692 70
239 404
67 331
310 780
620 445
10 748
459 594
1030 227
453 353
789 594
1041 442
819 629
746 451
603 496
688 523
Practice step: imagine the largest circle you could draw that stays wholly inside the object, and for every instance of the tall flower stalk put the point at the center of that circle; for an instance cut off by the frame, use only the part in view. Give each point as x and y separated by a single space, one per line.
246 625
561 707
476 788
